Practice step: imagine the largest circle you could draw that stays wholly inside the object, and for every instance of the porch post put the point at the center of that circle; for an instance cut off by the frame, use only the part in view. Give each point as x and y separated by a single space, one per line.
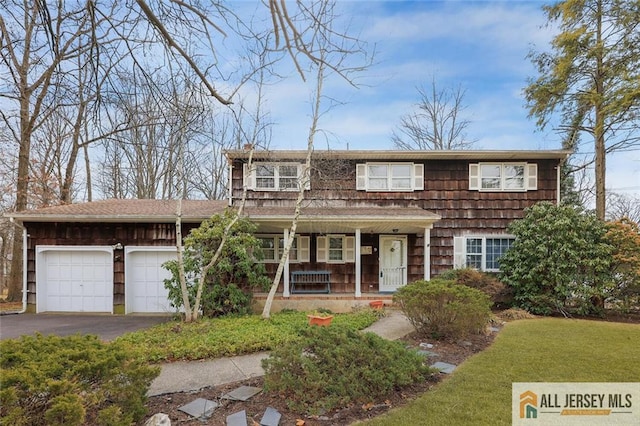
358 265
427 254
285 272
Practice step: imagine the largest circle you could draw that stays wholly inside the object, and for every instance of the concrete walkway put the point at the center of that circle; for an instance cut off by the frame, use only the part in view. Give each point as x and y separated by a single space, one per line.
194 375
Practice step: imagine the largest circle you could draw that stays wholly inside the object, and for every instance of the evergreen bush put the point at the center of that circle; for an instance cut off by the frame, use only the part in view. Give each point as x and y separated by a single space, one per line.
71 381
444 309
332 367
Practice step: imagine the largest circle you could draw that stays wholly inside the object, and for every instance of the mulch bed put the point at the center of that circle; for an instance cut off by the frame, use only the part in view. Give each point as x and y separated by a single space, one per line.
450 352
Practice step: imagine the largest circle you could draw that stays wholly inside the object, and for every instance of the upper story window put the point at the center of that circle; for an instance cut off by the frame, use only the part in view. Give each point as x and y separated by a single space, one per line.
503 177
273 247
275 176
390 177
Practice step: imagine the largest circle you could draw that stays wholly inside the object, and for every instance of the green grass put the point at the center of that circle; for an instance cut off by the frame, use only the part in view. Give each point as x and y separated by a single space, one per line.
213 338
543 350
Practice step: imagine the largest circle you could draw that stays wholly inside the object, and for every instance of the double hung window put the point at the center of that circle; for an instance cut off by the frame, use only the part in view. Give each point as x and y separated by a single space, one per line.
480 252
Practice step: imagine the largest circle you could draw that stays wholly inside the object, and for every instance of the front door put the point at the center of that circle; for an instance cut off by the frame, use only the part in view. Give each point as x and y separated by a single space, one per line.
393 262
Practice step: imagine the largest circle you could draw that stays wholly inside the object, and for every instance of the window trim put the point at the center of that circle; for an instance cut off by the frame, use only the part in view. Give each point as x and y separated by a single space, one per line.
302 248
460 250
251 177
348 249
363 178
530 178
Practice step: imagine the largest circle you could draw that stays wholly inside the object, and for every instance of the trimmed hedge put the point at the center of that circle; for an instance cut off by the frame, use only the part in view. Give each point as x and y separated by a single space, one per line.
441 308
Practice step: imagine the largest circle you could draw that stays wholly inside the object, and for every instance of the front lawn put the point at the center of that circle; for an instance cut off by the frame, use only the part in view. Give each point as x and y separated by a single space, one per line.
543 350
220 337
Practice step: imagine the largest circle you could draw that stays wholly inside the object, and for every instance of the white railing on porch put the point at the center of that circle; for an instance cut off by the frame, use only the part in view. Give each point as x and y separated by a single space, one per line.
393 277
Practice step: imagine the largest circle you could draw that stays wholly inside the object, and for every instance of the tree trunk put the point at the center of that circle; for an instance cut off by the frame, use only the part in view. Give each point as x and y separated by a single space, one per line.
600 151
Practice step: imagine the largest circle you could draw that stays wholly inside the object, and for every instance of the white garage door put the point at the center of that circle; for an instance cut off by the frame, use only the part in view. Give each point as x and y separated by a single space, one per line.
144 279
74 280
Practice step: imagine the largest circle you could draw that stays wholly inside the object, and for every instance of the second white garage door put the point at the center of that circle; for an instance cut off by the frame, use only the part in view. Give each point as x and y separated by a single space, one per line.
144 279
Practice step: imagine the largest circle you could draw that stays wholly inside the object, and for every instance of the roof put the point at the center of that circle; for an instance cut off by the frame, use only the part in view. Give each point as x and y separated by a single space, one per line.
320 219
406 155
329 219
117 210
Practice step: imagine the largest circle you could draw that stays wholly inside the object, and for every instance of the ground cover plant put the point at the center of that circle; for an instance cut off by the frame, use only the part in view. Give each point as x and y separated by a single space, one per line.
70 381
540 350
331 367
229 336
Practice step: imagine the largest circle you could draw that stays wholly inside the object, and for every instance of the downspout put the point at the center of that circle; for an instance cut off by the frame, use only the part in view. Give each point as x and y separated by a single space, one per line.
558 189
24 265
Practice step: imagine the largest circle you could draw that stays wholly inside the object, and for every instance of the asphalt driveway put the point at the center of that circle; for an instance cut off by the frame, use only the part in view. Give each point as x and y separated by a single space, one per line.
106 327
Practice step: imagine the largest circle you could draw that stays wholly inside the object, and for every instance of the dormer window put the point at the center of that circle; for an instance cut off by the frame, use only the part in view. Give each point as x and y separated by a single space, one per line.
275 176
390 177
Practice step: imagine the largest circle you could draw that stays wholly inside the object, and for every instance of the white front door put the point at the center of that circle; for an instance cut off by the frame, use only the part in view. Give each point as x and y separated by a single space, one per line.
393 262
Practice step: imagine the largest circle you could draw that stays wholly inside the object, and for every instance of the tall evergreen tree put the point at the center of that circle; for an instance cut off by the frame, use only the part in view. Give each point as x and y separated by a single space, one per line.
591 77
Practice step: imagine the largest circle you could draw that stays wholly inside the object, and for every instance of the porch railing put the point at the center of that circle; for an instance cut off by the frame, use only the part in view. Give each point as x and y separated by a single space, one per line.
393 277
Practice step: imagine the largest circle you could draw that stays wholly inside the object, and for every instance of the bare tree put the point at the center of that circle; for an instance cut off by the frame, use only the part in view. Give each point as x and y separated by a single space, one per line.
622 205
437 122
337 51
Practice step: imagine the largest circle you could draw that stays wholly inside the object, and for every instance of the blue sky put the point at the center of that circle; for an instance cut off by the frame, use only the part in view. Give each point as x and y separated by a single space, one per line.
480 45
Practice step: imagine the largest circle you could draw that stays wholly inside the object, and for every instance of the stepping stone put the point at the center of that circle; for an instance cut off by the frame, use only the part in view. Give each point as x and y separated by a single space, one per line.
200 408
494 329
271 417
444 367
237 419
242 393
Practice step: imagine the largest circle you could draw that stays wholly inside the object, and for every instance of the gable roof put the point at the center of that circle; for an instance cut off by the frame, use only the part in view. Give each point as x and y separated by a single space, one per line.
117 210
405 155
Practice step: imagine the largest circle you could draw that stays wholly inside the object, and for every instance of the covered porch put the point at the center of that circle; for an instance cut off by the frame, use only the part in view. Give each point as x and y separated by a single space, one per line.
367 251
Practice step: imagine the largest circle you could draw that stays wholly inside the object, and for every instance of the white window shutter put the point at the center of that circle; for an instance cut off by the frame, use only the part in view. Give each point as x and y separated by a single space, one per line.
321 249
249 176
418 177
304 178
361 177
474 177
532 176
303 249
350 249
459 258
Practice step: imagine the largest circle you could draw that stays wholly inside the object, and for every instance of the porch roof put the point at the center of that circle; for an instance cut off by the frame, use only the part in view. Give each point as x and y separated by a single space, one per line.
377 220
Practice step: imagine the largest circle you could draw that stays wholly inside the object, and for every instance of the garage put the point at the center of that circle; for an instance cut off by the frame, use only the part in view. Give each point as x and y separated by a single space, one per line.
144 279
74 278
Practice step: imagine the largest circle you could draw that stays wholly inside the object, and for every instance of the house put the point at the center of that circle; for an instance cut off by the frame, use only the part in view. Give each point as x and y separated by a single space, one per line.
370 222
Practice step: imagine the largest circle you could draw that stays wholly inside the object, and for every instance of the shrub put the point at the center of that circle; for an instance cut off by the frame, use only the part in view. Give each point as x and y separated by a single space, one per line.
559 261
500 294
331 367
230 281
624 236
441 308
70 381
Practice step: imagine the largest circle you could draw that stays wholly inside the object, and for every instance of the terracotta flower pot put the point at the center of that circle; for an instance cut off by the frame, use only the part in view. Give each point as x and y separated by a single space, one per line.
376 304
322 321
